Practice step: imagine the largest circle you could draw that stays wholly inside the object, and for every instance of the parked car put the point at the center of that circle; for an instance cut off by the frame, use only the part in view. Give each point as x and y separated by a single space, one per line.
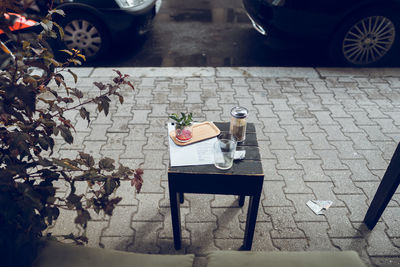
355 32
91 26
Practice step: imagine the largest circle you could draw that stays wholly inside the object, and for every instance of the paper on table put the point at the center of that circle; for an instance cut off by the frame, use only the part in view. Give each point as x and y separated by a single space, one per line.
200 153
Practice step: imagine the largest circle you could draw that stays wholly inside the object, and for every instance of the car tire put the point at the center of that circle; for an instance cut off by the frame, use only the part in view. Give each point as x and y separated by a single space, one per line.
367 39
85 33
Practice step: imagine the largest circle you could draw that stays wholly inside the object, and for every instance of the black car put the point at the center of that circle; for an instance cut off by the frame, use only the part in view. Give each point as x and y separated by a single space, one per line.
92 25
354 32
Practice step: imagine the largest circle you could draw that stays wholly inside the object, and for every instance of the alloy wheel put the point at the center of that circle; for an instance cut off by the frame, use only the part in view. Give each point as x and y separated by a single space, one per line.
368 40
84 36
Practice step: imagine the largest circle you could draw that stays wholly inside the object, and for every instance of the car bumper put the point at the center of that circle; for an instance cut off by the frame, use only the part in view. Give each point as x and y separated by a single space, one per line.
131 20
287 22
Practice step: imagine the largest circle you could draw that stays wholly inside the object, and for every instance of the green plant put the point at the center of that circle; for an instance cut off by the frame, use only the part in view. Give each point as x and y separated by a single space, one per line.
31 115
181 120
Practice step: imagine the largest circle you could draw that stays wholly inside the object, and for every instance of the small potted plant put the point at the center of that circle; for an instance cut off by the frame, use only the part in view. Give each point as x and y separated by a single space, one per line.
183 126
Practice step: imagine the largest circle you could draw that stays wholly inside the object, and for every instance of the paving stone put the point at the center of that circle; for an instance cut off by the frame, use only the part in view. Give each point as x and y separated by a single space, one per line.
283 223
262 239
117 243
330 160
133 149
361 141
136 132
226 98
374 133
286 160
386 261
324 191
294 182
261 215
336 111
212 115
387 125
293 244
360 171
313 171
153 159
369 188
228 223
278 141
93 148
229 244
357 244
324 117
314 103
274 194
374 112
120 222
335 133
146 211
200 210
140 117
357 206
280 105
264 148
348 125
93 232
379 242
265 111
303 150
316 233
361 118
271 126
259 97
152 181
339 224
145 237
294 133
391 218
346 150
318 140
65 225
120 125
224 201
342 182
166 231
202 237
375 159
270 171
115 141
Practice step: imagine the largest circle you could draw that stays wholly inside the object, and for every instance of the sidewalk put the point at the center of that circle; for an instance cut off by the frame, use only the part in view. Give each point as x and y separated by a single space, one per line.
324 134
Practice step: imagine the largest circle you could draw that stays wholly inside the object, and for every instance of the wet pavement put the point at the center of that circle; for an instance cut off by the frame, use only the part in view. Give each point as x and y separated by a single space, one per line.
214 33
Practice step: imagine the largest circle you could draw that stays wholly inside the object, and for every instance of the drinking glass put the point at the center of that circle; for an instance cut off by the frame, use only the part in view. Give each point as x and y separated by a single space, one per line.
224 151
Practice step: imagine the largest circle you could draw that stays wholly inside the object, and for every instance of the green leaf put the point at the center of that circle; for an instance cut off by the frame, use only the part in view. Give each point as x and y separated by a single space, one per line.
107 164
110 185
66 134
73 74
87 159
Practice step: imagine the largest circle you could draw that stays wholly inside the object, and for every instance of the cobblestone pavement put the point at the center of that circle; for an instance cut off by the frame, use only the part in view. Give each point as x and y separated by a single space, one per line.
323 134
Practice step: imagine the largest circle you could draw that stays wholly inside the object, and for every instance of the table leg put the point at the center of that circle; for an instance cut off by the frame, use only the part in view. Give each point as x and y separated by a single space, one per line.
254 202
176 218
181 198
241 201
386 189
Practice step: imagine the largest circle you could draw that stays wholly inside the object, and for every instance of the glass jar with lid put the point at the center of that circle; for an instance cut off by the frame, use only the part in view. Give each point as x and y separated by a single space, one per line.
238 123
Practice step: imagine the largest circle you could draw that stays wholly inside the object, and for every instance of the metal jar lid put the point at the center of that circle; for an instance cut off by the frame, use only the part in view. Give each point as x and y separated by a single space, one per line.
239 112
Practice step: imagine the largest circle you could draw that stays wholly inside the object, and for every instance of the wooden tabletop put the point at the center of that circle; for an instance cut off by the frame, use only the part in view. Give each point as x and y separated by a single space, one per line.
250 166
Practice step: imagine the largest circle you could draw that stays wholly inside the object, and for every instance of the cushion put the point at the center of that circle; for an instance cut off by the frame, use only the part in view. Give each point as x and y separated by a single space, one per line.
56 254
284 259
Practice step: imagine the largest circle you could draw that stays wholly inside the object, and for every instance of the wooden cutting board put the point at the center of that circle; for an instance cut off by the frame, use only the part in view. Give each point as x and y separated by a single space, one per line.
201 131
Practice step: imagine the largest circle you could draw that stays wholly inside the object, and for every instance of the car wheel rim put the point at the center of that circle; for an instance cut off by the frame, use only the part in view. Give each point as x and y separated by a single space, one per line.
368 40
84 36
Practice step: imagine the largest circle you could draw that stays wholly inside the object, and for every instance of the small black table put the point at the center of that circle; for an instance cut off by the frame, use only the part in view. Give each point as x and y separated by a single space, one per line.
245 178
